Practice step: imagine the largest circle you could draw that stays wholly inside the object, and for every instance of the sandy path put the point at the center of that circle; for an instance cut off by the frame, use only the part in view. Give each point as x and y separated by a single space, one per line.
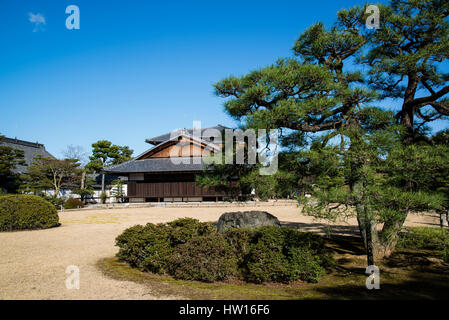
33 263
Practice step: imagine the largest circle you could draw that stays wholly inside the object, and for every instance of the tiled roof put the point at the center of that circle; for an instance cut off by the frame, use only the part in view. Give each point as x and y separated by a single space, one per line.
174 164
158 165
30 149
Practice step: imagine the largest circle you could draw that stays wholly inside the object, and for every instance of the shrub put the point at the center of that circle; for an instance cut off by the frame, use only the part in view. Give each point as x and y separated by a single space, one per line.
18 212
73 203
305 240
239 240
285 255
149 247
303 265
103 197
426 238
184 229
266 264
192 250
57 202
130 246
205 258
145 247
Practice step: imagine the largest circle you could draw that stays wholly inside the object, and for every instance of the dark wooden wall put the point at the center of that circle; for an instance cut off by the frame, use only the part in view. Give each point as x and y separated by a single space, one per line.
168 189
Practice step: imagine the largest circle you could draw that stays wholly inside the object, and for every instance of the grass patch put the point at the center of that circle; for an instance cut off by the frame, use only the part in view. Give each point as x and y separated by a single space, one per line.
407 274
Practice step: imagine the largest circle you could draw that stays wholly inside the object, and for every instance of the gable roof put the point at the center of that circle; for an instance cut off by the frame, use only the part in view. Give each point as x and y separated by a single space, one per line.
30 150
164 137
176 164
175 140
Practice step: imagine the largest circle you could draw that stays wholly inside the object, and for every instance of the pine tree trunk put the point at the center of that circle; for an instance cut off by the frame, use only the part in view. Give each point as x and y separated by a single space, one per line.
368 232
367 225
390 235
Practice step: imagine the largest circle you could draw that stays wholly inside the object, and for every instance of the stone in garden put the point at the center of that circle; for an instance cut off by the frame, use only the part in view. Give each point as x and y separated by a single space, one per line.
246 219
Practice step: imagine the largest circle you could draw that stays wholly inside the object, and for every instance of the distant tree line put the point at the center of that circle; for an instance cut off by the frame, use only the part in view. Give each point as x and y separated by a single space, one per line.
49 174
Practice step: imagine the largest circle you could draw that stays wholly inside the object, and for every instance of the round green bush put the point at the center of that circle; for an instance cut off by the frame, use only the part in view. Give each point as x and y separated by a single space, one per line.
184 229
303 265
285 255
146 247
73 203
19 212
266 264
149 247
206 258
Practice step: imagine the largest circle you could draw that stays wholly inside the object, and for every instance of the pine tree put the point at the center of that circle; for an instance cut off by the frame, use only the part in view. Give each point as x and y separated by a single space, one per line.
320 98
407 57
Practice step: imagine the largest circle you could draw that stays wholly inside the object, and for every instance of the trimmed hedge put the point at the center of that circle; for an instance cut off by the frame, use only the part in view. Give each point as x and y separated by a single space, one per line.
73 203
149 247
206 258
285 255
19 212
191 250
146 247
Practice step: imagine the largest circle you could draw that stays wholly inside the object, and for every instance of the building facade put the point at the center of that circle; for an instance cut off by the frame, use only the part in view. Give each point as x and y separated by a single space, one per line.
167 171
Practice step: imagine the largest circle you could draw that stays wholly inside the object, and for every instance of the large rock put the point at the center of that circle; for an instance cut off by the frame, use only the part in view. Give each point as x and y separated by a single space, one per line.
246 219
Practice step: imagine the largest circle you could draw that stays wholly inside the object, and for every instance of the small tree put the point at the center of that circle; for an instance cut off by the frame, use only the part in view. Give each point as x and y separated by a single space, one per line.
49 173
104 153
117 190
84 187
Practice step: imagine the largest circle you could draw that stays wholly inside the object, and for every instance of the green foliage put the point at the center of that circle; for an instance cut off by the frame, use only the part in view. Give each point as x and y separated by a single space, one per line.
10 158
205 258
83 193
117 189
426 238
73 203
57 202
146 247
184 229
304 265
105 153
49 173
285 255
103 197
192 250
266 264
344 151
239 241
223 177
406 58
149 247
19 212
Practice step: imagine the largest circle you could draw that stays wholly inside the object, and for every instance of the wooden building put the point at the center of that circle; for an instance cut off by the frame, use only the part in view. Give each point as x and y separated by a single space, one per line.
167 171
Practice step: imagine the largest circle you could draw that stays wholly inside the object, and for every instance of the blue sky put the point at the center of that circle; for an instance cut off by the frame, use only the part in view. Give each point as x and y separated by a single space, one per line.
135 69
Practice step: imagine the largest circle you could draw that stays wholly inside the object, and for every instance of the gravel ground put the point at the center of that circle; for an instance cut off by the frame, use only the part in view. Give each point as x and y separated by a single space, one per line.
33 263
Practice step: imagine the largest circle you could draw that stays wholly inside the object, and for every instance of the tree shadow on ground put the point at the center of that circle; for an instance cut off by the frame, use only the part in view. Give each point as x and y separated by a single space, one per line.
406 274
323 228
416 285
